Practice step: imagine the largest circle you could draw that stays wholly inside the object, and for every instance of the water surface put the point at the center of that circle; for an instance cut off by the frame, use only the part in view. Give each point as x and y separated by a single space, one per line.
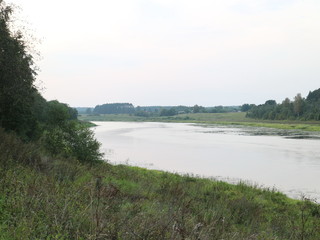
281 159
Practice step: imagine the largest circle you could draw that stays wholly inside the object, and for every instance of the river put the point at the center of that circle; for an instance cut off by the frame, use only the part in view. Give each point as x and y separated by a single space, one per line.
288 161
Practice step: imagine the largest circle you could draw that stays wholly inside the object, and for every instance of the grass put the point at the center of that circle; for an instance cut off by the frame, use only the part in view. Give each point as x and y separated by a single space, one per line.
191 117
236 118
55 198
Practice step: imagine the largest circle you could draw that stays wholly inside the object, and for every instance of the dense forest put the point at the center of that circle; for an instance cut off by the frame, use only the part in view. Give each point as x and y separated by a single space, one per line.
299 109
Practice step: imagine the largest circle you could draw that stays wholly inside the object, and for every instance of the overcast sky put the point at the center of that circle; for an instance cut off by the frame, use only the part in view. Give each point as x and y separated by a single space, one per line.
175 52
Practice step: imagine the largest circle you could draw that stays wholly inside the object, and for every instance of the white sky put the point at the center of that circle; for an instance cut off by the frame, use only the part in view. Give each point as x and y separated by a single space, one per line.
175 52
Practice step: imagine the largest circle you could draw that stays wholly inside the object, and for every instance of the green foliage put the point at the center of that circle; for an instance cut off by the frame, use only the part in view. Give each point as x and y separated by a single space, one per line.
53 196
298 109
50 198
72 139
222 109
168 112
114 108
142 114
298 105
88 111
17 76
13 151
24 111
156 111
246 107
197 109
270 102
314 96
58 113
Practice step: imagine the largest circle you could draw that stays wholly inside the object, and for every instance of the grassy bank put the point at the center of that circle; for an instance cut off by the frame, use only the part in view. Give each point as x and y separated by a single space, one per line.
191 117
237 118
54 198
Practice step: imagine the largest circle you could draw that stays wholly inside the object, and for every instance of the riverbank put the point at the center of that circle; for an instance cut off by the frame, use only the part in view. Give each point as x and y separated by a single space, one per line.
270 157
55 198
237 118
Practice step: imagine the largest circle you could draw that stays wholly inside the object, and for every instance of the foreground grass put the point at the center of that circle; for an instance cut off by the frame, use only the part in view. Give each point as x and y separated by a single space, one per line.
235 118
50 198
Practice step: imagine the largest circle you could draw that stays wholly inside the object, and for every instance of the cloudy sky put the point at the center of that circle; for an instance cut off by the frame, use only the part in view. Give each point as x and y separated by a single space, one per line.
175 52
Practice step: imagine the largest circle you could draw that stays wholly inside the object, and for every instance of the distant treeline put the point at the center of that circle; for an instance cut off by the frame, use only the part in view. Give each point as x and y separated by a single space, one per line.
146 111
299 109
114 108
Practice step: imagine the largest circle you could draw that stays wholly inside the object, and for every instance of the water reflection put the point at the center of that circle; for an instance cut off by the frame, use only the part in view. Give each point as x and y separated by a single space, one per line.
285 159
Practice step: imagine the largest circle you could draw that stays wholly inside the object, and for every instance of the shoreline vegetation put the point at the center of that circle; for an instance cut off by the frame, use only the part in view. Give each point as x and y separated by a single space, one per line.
233 118
44 197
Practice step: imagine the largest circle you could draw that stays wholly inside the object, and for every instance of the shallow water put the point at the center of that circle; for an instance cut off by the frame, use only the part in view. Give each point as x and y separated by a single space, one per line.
286 160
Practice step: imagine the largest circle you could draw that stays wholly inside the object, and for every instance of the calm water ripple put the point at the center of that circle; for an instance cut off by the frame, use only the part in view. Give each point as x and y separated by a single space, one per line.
283 159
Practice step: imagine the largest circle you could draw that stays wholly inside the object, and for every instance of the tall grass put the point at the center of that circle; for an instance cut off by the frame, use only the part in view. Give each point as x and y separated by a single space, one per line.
48 198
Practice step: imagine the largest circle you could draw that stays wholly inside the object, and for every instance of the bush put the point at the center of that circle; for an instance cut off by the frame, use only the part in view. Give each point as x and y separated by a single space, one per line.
72 139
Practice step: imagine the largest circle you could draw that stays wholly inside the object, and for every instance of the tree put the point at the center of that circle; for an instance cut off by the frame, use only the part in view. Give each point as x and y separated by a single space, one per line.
245 107
89 111
23 109
17 76
286 103
298 104
285 110
114 108
198 109
57 113
314 96
72 139
270 102
168 112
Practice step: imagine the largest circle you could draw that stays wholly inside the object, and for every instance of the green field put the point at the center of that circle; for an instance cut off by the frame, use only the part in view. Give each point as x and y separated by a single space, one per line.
235 118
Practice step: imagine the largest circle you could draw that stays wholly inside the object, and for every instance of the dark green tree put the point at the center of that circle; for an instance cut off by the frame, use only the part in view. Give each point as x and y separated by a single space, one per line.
17 77
71 139
314 96
114 108
23 109
298 109
198 109
271 102
245 107
168 112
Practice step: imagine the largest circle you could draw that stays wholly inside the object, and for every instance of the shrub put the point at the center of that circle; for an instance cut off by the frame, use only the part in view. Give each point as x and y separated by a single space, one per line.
72 139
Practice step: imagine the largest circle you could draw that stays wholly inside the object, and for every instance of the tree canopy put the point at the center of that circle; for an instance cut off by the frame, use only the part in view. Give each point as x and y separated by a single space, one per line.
298 109
114 108
17 77
25 112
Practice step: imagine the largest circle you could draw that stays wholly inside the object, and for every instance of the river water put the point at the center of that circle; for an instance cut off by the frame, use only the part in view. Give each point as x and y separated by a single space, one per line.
288 161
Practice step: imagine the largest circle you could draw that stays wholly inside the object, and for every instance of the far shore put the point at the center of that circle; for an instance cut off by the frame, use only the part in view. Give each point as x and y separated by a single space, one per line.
233 118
